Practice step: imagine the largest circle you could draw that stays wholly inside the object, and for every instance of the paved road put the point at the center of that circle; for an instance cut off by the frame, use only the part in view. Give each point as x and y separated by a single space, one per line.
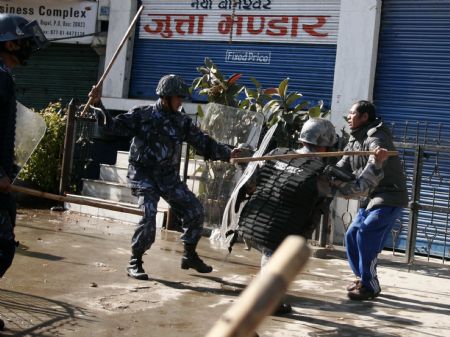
68 279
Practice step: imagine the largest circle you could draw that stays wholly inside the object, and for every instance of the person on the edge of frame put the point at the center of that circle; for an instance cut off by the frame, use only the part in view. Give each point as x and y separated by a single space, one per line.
381 199
19 38
158 132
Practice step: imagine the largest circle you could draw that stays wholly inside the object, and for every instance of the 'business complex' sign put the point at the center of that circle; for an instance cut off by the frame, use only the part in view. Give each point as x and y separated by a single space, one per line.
58 19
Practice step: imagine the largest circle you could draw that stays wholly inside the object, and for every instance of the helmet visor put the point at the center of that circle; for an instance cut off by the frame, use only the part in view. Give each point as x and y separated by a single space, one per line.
34 31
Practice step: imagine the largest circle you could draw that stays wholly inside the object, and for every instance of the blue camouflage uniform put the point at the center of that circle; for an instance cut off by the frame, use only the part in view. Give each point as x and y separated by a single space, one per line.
153 170
7 135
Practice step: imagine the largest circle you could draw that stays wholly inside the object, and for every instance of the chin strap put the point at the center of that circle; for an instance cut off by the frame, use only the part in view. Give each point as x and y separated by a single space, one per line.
25 51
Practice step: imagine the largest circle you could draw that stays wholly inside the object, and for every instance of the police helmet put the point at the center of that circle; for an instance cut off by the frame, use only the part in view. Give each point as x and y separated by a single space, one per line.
319 132
172 85
17 28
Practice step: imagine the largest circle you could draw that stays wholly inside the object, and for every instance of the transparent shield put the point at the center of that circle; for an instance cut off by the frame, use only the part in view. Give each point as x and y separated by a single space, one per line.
30 128
232 125
217 179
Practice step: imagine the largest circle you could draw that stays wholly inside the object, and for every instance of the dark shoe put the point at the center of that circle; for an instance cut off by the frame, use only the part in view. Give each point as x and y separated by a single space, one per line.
135 269
362 294
191 259
354 285
283 309
2 325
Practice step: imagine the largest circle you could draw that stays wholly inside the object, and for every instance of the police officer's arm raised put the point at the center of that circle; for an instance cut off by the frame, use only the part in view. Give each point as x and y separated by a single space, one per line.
126 124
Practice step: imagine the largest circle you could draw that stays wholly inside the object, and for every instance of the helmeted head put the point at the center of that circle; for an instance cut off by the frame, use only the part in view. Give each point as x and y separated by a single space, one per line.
27 36
318 132
172 89
172 85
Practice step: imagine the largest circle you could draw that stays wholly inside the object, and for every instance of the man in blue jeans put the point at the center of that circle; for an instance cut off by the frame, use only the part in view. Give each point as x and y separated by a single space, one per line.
382 197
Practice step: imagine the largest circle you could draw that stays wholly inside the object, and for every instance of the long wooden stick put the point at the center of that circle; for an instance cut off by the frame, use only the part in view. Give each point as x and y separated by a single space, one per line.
76 200
113 59
309 154
265 292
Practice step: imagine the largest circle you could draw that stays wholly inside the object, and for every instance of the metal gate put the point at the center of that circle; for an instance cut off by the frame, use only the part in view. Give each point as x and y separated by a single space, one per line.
425 148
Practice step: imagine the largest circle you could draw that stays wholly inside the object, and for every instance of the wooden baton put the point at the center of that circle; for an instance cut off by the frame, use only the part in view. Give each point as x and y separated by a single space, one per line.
264 293
113 59
80 200
309 154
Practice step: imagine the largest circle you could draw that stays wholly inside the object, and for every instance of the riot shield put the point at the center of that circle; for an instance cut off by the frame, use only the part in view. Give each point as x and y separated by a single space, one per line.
232 209
30 128
231 126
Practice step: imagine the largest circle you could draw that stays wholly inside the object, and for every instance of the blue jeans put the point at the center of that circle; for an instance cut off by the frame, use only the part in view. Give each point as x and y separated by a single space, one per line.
365 239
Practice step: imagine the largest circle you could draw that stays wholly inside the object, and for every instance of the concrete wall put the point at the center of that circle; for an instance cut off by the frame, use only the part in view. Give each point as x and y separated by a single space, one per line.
117 82
356 55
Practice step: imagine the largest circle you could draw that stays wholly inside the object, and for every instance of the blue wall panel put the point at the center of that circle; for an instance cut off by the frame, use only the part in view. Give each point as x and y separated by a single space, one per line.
412 85
309 67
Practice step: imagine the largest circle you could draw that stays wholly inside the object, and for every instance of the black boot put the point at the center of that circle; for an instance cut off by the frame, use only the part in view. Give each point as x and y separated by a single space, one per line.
2 325
190 259
135 269
283 309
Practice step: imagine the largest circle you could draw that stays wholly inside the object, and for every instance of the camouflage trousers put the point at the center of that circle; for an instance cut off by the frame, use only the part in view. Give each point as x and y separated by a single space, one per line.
183 202
7 243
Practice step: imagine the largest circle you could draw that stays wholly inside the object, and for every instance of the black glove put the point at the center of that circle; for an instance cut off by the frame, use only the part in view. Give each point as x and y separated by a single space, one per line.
336 173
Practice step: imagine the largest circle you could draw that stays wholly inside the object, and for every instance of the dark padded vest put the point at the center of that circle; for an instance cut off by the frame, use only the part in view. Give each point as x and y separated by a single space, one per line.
7 121
284 201
7 131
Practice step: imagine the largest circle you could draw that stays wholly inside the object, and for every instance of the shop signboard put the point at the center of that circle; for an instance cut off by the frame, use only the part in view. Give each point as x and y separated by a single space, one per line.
58 19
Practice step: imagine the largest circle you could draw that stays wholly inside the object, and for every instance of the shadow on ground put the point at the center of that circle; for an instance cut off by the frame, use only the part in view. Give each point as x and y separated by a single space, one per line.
27 315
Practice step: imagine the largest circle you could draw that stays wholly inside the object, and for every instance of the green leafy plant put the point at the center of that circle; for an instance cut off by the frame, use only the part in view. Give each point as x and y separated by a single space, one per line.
279 105
43 167
213 84
255 99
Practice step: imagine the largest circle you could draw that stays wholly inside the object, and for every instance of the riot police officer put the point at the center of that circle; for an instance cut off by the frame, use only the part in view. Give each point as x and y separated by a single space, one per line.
19 38
291 195
158 132
286 196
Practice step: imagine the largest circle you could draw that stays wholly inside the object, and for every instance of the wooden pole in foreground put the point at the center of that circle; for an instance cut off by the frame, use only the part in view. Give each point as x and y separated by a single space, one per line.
309 154
76 200
113 59
264 293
